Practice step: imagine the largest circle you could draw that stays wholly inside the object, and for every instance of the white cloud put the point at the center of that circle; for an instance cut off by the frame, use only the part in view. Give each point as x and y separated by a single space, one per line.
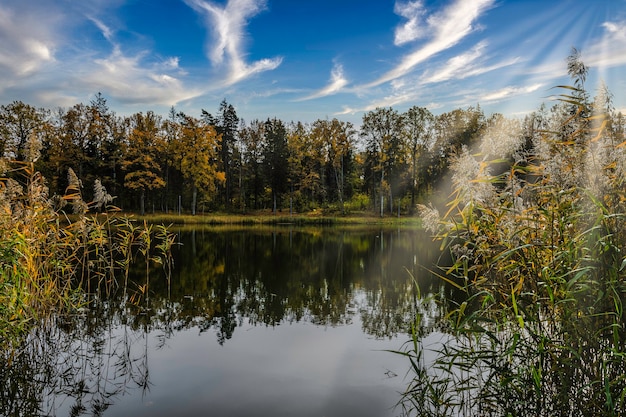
510 91
337 83
106 31
449 27
411 30
130 80
26 45
616 30
465 65
228 25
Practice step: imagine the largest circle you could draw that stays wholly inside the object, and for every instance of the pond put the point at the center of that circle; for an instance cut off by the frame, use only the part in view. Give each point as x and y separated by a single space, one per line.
277 321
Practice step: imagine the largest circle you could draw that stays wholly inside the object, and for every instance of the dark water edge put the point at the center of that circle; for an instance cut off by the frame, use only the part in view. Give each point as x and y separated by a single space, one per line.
260 321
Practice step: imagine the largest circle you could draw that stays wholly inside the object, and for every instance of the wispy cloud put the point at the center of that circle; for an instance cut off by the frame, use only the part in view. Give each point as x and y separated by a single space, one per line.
448 27
616 30
611 49
468 64
106 31
228 26
130 80
336 84
134 79
456 66
510 91
25 44
411 30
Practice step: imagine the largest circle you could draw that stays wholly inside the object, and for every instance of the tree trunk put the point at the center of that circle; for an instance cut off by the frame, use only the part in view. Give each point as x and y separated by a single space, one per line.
194 196
142 205
274 202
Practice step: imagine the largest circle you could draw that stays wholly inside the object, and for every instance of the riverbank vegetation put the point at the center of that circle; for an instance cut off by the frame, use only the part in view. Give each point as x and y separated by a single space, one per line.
536 228
51 263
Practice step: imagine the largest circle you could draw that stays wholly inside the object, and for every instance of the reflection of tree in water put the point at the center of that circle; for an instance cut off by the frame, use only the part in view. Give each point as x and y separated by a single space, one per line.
80 362
392 299
269 277
222 279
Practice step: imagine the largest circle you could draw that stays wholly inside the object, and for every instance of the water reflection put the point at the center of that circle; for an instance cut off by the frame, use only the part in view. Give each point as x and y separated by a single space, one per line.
227 281
281 275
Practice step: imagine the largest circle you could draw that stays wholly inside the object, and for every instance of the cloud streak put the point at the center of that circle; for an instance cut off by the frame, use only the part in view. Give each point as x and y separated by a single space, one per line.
228 26
465 65
449 27
411 30
510 91
337 83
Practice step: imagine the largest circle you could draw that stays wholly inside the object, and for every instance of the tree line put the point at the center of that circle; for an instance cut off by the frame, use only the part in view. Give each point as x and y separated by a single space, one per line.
219 162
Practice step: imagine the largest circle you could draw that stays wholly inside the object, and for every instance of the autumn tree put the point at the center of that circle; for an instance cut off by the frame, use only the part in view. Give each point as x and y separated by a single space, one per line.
197 153
143 172
21 126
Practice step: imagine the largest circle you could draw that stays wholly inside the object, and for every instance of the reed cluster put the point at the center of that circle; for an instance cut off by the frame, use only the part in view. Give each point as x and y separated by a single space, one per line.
538 242
51 262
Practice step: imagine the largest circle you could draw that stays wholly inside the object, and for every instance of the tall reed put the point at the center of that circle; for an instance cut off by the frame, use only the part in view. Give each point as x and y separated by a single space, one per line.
539 251
50 261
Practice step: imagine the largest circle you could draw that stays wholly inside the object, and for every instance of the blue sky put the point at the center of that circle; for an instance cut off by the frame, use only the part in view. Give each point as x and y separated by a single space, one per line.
306 59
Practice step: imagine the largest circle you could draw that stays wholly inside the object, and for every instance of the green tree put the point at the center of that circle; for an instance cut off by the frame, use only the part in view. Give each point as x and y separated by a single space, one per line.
337 141
275 159
382 131
418 132
252 139
453 130
226 123
103 144
305 166
73 131
172 131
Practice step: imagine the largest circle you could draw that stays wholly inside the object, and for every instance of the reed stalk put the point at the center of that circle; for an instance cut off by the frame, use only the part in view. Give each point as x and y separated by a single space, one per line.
53 263
539 253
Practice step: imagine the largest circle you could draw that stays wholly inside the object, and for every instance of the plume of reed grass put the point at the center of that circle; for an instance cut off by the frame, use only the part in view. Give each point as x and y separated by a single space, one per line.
51 262
539 251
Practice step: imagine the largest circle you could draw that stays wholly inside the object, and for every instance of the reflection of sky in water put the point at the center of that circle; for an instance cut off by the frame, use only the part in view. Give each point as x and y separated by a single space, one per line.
295 369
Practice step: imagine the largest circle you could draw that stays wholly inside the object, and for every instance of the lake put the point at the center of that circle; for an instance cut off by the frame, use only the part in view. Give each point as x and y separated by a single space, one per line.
278 321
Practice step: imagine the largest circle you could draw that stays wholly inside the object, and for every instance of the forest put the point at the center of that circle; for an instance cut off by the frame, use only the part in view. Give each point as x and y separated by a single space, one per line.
146 162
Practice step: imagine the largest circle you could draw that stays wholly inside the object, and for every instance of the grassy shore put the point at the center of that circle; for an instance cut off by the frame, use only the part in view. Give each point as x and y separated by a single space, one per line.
282 218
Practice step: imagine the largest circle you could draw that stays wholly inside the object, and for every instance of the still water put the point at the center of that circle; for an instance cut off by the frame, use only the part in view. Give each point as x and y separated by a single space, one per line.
278 321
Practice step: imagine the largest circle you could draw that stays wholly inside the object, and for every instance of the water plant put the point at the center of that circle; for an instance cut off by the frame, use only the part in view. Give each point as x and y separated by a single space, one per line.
51 261
537 240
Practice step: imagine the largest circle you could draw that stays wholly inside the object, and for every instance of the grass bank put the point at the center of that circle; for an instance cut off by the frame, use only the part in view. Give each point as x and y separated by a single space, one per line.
314 218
